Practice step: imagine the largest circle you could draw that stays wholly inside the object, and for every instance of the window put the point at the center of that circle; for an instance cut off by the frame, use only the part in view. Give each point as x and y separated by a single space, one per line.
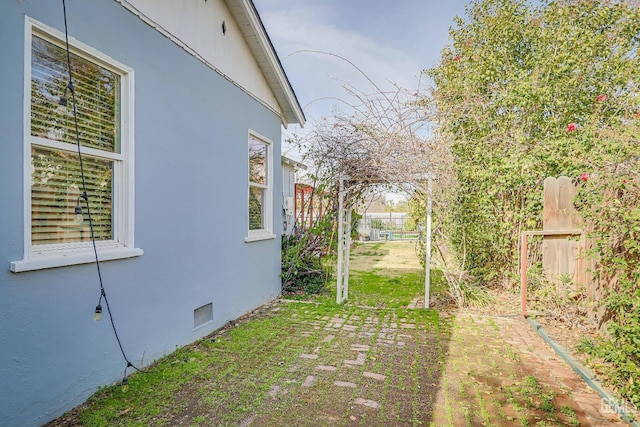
260 188
55 234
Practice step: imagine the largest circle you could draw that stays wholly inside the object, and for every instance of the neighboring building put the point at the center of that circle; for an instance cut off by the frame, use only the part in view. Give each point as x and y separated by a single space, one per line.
374 204
289 177
380 221
180 106
310 206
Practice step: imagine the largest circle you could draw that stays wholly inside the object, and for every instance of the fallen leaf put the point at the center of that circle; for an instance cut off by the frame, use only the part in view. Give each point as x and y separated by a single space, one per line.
125 411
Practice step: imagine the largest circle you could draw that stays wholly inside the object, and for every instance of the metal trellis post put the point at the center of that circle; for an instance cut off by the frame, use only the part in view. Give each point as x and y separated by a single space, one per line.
427 256
344 246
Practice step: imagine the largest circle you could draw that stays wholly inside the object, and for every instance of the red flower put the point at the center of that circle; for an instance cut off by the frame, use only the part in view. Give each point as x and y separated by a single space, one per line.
601 97
457 58
571 127
584 177
624 181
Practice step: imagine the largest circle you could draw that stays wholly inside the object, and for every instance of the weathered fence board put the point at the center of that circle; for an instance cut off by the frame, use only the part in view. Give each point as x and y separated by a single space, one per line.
564 257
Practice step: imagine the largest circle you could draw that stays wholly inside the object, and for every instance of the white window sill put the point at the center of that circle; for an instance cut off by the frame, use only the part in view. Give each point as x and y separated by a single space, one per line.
73 258
258 237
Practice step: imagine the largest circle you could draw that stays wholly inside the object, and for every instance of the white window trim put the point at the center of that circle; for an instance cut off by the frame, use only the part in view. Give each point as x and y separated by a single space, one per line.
264 233
259 237
122 246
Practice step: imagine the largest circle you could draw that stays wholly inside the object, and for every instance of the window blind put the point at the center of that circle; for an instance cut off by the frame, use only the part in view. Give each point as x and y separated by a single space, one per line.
56 182
55 189
97 92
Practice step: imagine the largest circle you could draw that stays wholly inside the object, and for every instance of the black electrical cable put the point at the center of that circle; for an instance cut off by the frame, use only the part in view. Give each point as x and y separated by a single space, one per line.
85 197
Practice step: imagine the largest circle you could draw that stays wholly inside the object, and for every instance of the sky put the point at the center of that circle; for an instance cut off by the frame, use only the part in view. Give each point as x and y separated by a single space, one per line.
391 41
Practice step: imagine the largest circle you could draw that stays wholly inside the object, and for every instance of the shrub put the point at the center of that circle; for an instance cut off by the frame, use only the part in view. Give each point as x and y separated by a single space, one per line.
302 267
610 204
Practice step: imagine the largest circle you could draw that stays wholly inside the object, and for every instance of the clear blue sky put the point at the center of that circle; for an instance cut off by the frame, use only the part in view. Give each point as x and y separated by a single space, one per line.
390 40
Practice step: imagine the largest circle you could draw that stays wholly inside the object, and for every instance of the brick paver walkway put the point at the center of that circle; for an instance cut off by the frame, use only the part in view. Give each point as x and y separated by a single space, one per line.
372 367
296 364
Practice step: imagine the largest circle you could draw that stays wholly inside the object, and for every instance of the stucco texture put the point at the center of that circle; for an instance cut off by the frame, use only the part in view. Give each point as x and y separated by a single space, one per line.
191 177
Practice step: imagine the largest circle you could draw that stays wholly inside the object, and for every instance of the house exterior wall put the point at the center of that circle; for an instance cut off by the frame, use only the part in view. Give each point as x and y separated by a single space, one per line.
198 24
191 171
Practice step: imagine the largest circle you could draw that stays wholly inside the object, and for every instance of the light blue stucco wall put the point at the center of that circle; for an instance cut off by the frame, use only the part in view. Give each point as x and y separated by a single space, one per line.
191 130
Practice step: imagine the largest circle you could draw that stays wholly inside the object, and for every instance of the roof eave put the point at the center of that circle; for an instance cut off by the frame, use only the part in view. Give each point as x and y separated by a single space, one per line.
294 163
258 40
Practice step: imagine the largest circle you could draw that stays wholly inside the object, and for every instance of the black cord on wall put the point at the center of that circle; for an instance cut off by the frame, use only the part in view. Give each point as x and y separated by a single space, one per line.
85 197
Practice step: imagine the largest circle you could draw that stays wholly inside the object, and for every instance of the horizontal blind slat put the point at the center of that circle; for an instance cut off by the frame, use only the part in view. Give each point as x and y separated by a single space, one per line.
55 190
96 90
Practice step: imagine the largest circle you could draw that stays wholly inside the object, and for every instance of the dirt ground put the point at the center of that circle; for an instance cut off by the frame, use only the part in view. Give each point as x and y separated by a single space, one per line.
394 255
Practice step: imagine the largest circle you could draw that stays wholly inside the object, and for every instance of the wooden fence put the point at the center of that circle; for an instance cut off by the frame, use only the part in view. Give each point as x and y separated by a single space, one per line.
564 257
564 244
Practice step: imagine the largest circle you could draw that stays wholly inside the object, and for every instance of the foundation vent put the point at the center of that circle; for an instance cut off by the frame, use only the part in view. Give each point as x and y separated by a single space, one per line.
203 315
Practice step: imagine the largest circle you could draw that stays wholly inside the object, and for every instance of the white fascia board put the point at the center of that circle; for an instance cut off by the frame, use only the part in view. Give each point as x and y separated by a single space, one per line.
283 101
269 59
287 161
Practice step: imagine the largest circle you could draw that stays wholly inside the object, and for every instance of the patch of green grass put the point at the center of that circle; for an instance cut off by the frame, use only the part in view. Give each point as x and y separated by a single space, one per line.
231 375
528 397
463 392
530 389
447 399
498 408
199 420
483 407
325 297
512 354
375 289
369 249
493 325
524 421
224 378
546 402
568 412
370 253
466 412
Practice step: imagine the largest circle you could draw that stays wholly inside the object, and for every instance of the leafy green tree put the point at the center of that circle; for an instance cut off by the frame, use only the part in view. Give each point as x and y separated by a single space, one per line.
526 91
519 94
